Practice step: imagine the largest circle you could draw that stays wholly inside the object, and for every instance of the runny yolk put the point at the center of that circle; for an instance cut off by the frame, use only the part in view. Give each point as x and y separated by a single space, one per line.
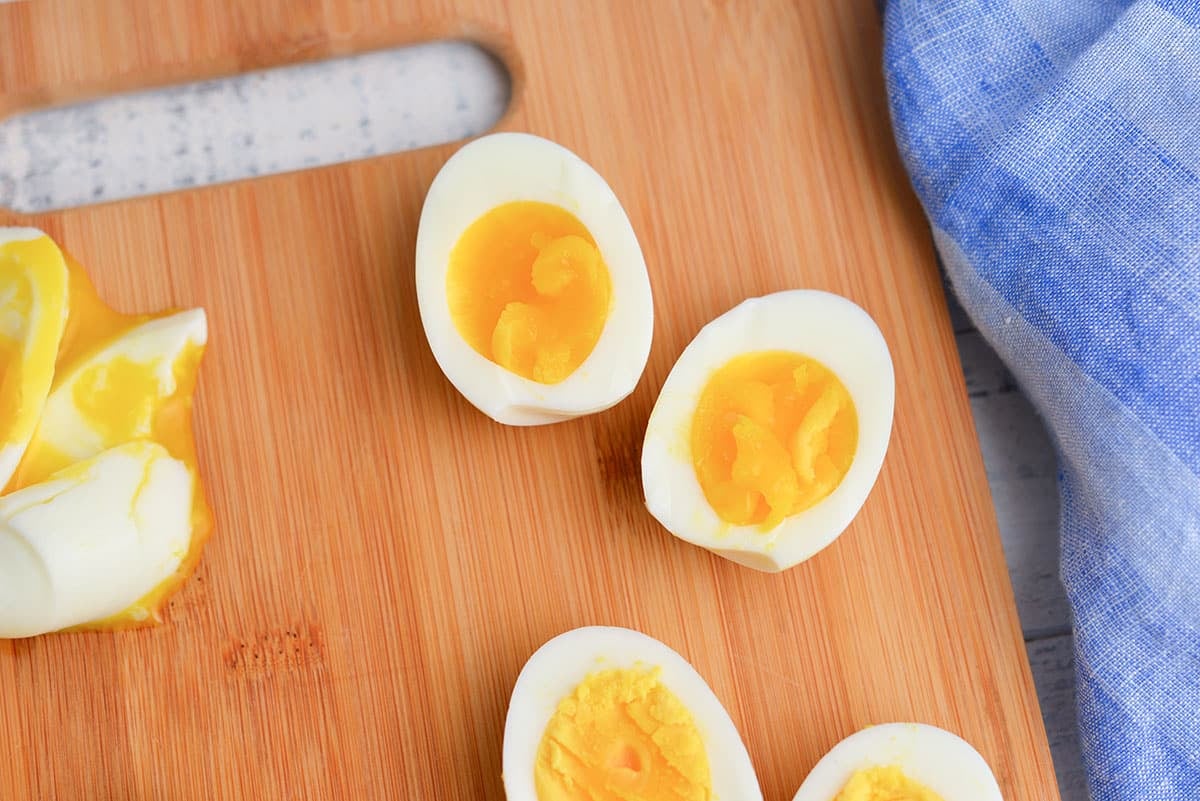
622 735
528 289
120 399
773 434
885 784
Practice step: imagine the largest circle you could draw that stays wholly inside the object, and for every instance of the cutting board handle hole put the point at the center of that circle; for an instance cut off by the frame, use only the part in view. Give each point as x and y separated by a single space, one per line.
257 123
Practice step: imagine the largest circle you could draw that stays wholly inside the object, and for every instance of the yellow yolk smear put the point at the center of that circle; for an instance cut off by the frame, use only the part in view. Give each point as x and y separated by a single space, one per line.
118 401
622 736
885 784
773 434
528 289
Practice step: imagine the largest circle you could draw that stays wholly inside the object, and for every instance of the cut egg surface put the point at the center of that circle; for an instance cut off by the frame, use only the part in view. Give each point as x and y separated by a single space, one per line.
771 429
908 761
609 714
532 287
103 516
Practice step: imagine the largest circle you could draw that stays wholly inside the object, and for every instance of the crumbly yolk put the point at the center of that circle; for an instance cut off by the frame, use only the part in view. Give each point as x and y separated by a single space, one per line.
774 433
622 736
528 289
885 784
121 400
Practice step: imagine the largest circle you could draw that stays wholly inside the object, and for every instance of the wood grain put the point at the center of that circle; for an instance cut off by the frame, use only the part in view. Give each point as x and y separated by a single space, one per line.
385 557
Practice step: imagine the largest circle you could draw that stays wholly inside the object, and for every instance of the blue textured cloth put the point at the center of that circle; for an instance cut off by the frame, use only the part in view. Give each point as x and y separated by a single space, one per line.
1055 145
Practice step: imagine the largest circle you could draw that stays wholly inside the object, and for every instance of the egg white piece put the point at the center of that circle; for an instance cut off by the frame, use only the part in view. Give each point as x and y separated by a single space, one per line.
944 762
554 671
820 325
158 342
93 539
19 234
499 169
41 333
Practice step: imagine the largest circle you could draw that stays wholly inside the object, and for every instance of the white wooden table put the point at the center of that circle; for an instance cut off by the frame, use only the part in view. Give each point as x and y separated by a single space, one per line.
395 100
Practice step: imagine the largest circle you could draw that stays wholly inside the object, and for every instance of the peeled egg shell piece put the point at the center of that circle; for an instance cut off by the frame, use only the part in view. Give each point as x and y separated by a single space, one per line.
93 539
507 167
943 762
160 341
820 325
555 669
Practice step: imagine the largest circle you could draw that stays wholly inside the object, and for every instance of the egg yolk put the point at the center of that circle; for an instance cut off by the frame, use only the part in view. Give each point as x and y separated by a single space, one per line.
885 784
622 736
528 289
774 433
120 400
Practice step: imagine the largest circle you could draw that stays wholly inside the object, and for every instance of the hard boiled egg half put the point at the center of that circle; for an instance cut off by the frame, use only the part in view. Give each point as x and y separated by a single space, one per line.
910 761
771 429
101 512
531 284
609 713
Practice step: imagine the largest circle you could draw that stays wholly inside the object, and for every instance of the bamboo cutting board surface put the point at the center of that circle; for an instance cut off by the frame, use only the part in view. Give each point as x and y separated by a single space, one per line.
385 557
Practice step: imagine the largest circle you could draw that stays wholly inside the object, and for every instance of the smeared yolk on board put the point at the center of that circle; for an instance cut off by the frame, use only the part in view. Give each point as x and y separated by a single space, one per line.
884 784
119 399
528 289
622 735
774 433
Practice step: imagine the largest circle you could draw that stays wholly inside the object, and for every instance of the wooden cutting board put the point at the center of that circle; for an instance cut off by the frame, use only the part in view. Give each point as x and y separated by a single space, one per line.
385 557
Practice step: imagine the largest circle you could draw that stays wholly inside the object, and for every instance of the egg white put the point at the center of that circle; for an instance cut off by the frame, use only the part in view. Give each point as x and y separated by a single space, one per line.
507 167
92 539
555 669
820 325
11 452
943 762
19 234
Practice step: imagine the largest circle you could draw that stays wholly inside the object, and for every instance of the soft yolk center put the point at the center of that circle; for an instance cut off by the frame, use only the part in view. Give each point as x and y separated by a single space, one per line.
773 434
885 784
118 398
528 289
619 736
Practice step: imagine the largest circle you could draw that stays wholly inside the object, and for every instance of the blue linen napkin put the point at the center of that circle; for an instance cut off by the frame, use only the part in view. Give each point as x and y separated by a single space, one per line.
1055 145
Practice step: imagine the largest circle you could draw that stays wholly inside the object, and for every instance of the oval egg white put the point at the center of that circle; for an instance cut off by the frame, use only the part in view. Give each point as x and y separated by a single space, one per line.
943 762
30 337
507 167
559 666
820 325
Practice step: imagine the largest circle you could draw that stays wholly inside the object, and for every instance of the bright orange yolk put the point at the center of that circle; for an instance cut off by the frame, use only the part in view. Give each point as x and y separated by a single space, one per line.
120 401
774 433
528 289
885 784
619 736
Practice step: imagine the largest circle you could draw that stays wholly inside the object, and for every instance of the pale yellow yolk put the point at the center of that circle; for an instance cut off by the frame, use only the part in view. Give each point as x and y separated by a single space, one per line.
120 400
622 736
885 784
527 289
774 433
